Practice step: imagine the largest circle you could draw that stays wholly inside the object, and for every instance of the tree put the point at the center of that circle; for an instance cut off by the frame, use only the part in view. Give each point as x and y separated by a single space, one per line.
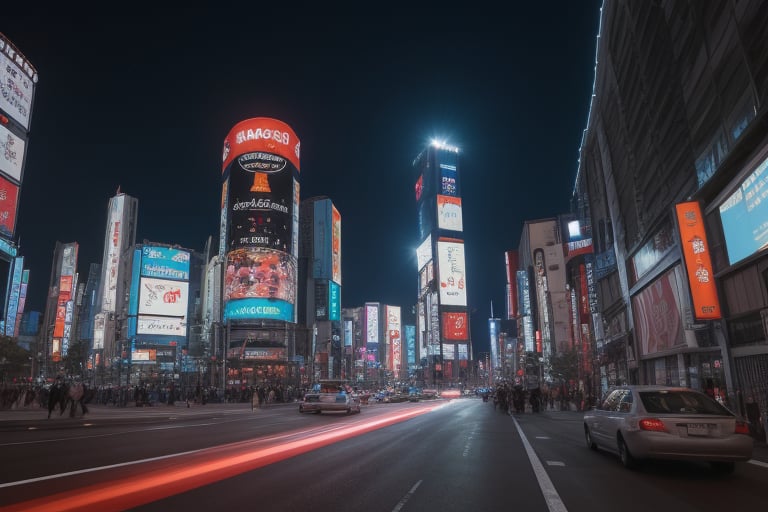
565 365
14 360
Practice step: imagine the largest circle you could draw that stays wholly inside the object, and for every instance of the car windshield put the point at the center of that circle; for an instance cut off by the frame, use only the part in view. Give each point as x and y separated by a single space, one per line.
688 402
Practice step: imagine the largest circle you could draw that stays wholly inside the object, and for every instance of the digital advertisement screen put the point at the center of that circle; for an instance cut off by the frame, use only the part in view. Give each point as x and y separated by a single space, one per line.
698 263
424 253
455 326
11 154
452 273
449 183
9 197
161 297
261 163
334 302
336 245
164 263
744 215
371 323
449 213
17 83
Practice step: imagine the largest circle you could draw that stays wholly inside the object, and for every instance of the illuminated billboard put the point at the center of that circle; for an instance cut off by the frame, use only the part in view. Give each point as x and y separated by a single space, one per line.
455 326
372 330
449 178
449 213
452 273
161 325
161 297
334 301
743 216
424 253
17 83
394 336
11 154
113 251
261 164
15 295
9 198
336 244
657 313
164 263
698 263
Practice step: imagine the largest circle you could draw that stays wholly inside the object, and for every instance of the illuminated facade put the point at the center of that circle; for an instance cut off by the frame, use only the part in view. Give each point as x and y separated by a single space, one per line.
320 288
59 310
442 311
670 190
258 246
18 80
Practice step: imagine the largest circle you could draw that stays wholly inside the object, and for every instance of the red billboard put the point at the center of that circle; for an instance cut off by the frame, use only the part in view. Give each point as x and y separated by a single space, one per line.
9 197
455 327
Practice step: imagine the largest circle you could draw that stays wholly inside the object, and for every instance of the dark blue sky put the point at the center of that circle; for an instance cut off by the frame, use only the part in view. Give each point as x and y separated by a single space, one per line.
144 103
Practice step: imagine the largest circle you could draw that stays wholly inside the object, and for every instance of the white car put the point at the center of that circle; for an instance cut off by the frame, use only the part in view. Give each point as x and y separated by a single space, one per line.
663 422
330 395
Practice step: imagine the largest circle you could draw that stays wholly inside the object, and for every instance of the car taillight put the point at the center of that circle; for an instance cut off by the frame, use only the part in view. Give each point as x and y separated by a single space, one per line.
742 427
652 424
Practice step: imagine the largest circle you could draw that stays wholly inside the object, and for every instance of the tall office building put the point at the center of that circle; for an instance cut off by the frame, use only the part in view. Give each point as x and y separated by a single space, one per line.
442 310
319 292
59 308
109 322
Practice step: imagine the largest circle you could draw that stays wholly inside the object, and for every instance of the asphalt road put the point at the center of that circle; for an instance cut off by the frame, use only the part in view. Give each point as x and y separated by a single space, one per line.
429 456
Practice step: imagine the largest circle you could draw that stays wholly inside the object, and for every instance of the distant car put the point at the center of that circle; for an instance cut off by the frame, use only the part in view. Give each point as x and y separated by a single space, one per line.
330 395
662 422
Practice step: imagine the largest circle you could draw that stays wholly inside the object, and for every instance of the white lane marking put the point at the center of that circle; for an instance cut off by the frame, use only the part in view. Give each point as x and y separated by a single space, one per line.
555 463
91 470
402 502
758 463
552 499
542 437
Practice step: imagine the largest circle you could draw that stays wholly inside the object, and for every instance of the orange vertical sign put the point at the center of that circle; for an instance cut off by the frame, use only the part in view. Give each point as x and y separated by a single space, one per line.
698 263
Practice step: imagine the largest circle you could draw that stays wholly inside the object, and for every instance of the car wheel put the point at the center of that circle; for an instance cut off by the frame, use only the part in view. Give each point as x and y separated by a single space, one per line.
627 460
723 468
349 410
588 438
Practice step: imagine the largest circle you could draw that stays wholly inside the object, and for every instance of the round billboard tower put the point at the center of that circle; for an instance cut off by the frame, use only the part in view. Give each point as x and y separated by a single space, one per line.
260 220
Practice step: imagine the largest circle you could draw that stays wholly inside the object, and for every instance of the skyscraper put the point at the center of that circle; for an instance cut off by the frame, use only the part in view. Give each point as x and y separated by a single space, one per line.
442 308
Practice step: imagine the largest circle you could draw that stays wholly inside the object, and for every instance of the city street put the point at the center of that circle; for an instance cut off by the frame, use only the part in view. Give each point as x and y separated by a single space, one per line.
433 455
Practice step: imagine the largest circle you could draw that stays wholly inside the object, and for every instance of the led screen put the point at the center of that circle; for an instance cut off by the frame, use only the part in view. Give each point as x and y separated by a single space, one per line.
261 163
452 273
9 196
395 337
449 182
164 263
455 326
11 154
17 83
162 297
449 213
657 312
371 323
334 301
744 215
424 253
336 245
112 256
162 326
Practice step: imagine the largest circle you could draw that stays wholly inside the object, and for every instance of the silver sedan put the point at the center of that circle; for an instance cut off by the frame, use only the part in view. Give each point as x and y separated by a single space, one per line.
662 422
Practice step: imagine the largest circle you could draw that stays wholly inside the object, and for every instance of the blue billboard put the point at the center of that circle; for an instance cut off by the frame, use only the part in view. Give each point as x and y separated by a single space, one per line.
164 263
334 301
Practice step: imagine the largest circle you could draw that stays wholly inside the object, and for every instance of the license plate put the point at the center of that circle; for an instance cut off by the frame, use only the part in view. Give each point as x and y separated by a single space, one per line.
698 429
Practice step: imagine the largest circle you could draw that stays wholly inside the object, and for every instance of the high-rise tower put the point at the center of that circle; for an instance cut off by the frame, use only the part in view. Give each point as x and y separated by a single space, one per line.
442 306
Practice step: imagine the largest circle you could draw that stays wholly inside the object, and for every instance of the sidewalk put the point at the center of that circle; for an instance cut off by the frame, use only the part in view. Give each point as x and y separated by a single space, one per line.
98 411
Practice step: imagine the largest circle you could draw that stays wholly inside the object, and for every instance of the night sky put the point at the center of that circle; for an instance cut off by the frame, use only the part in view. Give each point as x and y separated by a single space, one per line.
144 103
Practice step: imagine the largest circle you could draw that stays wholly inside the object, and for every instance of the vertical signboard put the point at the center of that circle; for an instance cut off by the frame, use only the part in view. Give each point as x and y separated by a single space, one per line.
395 338
11 154
112 256
334 302
15 294
9 199
22 299
261 163
372 329
335 245
693 239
